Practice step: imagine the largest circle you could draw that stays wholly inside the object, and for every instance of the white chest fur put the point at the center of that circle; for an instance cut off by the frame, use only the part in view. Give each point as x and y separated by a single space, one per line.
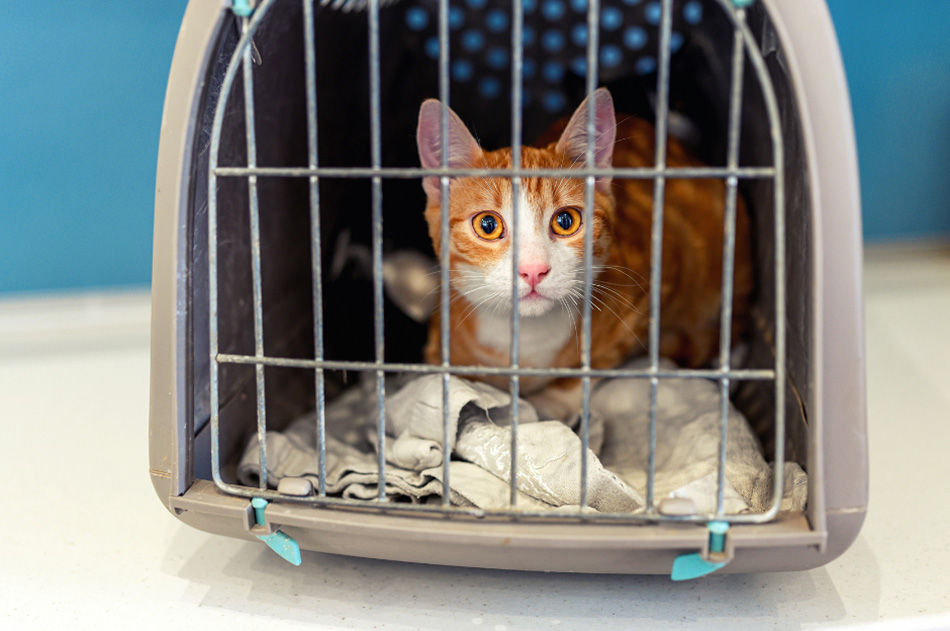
540 337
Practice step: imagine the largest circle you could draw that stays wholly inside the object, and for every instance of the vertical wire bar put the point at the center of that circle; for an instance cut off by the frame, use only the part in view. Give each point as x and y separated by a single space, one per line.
780 299
593 37
728 255
517 98
251 136
376 149
315 251
656 241
213 311
444 331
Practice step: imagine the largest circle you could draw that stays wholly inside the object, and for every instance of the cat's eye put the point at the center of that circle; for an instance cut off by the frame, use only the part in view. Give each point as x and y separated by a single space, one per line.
566 221
488 225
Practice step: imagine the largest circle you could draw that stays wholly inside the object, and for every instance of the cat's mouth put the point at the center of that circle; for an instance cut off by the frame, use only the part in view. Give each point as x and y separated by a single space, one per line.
534 303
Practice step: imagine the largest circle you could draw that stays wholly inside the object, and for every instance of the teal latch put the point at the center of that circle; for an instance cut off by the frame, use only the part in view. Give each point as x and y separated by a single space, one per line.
242 8
741 4
690 566
278 541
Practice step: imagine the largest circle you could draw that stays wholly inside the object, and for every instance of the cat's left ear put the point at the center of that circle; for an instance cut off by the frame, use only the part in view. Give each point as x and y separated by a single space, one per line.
573 142
464 151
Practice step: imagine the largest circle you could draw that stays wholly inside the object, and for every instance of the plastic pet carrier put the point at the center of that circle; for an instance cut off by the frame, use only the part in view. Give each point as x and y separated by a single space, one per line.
289 208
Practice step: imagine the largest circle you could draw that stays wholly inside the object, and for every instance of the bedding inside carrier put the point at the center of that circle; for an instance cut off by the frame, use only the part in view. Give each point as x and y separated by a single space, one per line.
554 84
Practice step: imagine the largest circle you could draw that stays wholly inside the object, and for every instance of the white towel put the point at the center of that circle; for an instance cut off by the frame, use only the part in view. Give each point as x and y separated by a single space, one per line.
549 452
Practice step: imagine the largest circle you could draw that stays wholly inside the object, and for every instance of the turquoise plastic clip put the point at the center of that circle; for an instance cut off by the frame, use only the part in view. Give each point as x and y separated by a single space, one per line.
690 566
280 542
242 8
741 4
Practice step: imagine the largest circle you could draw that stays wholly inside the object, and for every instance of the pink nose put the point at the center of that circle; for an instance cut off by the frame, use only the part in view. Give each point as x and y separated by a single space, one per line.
533 272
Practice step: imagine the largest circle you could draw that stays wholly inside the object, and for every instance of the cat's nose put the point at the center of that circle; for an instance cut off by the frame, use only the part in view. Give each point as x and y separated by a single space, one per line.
533 272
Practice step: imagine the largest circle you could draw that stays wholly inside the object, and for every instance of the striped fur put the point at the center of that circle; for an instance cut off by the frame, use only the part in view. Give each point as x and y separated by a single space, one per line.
550 321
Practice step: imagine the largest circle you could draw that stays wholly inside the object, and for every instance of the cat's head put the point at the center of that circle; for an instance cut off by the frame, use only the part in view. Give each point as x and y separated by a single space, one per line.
551 223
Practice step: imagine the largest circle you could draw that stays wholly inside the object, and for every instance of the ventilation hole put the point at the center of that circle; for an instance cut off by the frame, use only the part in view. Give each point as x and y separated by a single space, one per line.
432 47
527 36
456 18
417 18
473 41
646 65
634 38
554 101
611 18
528 68
553 9
529 5
462 70
611 56
496 21
476 4
653 12
552 41
579 66
580 6
676 41
693 12
552 71
630 3
497 58
579 34
490 87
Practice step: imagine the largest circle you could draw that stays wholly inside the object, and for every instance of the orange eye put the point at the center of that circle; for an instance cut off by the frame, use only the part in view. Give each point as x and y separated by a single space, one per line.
488 226
566 221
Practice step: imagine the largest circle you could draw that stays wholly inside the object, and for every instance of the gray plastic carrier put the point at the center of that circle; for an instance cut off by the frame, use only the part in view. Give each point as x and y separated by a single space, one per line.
758 86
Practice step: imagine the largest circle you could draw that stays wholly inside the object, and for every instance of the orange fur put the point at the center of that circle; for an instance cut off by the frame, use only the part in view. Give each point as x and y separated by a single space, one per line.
692 259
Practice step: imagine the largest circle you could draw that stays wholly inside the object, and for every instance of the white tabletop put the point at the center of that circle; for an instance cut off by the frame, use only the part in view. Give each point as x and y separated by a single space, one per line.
86 544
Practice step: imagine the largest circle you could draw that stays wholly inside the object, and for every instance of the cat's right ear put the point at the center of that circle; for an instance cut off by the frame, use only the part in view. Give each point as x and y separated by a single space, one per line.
464 151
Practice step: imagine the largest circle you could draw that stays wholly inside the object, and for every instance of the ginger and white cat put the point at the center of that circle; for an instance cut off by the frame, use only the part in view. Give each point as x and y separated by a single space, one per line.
551 248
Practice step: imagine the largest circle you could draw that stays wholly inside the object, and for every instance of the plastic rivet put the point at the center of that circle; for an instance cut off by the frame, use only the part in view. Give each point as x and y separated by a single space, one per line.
259 504
242 8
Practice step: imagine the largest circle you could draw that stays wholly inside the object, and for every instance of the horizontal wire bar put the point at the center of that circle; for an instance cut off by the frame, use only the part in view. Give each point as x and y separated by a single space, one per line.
748 374
438 509
638 173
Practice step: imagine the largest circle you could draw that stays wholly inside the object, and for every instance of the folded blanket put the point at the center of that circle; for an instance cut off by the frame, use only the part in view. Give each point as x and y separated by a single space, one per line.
549 452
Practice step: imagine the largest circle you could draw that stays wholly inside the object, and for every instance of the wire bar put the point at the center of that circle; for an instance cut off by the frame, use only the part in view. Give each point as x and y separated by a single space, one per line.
376 150
747 374
509 514
315 240
405 173
778 208
445 303
251 136
656 240
728 256
517 62
235 62
593 43
732 173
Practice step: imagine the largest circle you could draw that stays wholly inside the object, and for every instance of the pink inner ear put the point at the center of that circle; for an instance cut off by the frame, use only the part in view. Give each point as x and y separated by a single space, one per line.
573 142
463 149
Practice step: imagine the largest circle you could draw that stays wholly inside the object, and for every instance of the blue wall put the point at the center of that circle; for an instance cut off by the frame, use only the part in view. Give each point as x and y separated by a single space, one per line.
897 57
82 85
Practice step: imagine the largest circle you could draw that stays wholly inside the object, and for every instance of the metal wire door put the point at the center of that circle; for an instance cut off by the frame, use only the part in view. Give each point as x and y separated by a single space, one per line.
743 48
